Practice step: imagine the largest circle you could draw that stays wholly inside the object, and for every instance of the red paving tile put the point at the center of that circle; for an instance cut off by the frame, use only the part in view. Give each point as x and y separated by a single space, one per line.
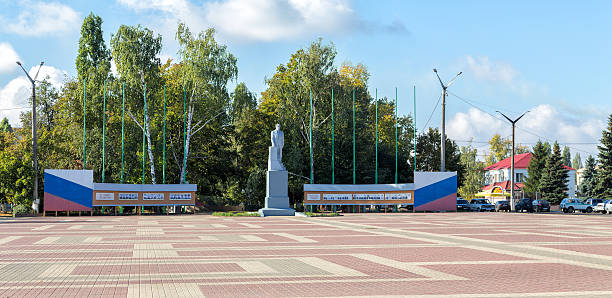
597 249
312 257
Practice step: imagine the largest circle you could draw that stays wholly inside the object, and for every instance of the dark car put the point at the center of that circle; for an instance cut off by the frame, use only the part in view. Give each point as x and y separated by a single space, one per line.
502 206
541 206
462 205
524 205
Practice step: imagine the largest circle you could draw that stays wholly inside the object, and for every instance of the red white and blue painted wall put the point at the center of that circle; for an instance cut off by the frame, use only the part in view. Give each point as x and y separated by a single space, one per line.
431 191
435 191
68 190
74 190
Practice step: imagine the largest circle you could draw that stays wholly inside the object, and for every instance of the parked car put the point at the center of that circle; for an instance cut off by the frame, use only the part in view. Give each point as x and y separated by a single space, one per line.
541 206
462 205
594 202
601 207
570 205
524 204
481 205
608 207
502 206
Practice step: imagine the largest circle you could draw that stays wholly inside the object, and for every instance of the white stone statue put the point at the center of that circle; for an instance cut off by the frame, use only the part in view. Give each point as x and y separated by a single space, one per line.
276 150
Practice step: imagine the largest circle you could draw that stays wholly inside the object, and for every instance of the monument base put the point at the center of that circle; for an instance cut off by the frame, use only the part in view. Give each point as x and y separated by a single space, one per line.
276 212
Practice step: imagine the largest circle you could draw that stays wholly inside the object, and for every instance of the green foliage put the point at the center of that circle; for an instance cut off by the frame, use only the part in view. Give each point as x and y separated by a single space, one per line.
428 154
541 152
207 67
5 126
313 214
567 156
577 162
589 178
553 183
92 49
21 209
236 213
604 172
243 101
499 149
473 172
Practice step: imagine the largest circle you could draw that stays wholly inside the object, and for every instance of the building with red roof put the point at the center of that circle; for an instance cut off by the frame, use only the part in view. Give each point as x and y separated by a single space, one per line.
498 174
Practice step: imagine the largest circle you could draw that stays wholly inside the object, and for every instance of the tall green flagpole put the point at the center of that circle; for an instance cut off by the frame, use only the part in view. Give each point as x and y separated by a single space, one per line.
103 131
164 150
415 131
122 127
376 123
84 98
311 159
354 180
144 120
395 135
333 159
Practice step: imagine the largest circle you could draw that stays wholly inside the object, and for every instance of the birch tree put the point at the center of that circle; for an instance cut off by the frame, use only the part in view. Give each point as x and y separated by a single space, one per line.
207 68
135 50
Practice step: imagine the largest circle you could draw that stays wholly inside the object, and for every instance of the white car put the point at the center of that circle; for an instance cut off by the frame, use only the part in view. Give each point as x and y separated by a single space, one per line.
481 205
607 207
601 207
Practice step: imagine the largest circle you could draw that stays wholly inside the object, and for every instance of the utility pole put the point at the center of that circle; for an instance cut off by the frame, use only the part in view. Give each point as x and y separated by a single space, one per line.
512 160
443 135
36 201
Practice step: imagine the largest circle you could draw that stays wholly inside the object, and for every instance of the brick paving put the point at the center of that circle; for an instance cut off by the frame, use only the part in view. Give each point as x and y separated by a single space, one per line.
422 255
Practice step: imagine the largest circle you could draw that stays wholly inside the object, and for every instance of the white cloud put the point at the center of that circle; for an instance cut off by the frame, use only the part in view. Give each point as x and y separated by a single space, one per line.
16 93
264 20
543 121
484 69
41 18
9 57
276 19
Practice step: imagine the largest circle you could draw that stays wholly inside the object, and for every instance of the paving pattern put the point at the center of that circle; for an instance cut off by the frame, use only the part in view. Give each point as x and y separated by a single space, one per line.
424 255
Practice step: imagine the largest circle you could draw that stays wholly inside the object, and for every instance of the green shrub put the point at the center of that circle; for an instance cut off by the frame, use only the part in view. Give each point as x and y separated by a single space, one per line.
312 214
21 209
235 213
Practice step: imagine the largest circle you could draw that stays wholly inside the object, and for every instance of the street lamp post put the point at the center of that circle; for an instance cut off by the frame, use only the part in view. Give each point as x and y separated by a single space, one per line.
512 159
443 128
36 201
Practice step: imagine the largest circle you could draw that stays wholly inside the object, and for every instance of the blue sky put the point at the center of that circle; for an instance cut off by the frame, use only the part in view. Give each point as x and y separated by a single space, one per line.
549 57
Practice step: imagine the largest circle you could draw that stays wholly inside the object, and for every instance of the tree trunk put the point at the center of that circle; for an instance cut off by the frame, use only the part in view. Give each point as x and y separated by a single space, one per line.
187 139
150 151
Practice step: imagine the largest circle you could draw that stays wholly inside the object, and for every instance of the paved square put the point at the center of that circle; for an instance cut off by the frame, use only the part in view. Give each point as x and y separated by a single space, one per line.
428 255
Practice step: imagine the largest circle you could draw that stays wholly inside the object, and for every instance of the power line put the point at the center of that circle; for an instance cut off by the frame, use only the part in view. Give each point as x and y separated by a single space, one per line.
525 130
432 112
525 143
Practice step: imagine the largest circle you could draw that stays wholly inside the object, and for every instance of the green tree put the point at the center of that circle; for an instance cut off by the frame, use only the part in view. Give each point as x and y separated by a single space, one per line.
604 171
92 53
499 149
135 51
5 126
93 69
536 166
428 154
577 162
553 183
207 69
589 178
243 101
473 172
567 156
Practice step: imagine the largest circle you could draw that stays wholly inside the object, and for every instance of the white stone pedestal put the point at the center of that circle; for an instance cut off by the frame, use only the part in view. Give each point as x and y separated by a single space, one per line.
277 199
